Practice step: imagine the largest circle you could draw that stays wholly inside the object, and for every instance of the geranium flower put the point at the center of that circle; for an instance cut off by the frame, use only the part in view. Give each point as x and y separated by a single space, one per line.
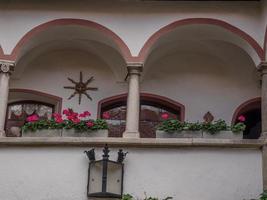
90 124
32 118
57 115
70 117
59 120
76 120
74 114
241 118
106 115
86 113
82 115
66 112
165 116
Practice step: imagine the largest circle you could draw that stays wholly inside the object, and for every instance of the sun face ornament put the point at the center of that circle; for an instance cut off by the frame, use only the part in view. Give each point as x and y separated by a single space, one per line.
80 88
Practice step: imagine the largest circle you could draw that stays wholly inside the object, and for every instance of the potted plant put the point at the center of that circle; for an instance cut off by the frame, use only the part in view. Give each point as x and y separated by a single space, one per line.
80 125
70 124
219 129
173 128
36 127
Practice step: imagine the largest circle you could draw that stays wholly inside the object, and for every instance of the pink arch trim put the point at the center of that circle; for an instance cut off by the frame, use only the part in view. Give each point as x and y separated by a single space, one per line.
124 50
246 106
144 52
56 98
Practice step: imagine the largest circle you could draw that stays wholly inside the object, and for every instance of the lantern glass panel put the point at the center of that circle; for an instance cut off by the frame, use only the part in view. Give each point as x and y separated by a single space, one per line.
95 177
114 178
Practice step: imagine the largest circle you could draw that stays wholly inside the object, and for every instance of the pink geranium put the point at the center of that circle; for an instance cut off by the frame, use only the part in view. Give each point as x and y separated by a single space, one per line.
66 112
241 118
59 120
86 113
106 115
76 120
32 118
82 115
165 116
57 115
90 124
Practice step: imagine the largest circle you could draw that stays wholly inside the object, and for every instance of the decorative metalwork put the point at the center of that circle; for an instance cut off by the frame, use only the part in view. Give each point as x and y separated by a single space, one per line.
121 156
6 67
90 154
208 117
106 152
80 88
99 173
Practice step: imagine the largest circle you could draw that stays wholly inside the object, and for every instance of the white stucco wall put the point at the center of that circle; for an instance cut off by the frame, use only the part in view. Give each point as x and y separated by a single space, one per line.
133 21
185 174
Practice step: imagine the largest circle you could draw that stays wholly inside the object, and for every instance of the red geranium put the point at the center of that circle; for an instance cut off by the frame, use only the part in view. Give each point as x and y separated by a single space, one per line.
105 115
90 124
32 118
241 118
165 116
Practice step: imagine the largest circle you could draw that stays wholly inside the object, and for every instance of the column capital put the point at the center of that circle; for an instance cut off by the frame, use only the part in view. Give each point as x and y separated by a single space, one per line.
6 66
135 68
262 67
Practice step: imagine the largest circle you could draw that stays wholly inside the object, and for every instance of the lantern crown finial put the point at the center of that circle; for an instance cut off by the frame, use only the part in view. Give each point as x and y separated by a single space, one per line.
121 156
90 154
106 152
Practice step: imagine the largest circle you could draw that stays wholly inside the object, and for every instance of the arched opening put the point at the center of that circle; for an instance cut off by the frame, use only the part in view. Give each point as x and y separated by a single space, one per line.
251 110
55 51
151 108
229 33
23 103
198 63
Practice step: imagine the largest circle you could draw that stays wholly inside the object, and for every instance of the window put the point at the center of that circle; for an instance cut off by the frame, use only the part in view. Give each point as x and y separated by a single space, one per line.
251 110
151 109
17 113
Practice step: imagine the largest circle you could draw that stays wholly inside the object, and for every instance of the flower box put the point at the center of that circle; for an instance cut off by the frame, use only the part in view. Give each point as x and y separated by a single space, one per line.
43 133
179 134
223 135
74 133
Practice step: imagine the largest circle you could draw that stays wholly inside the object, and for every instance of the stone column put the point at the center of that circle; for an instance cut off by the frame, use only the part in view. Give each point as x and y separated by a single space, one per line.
5 70
133 101
263 70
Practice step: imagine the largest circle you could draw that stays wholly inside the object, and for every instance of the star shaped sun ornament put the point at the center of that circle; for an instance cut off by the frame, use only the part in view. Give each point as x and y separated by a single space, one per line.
80 88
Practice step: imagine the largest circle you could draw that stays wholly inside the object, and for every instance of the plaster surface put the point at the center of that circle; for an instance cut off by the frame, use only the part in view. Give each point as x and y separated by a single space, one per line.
51 173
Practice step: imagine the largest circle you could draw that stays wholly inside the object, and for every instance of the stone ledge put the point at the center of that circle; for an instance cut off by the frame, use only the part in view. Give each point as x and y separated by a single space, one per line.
131 142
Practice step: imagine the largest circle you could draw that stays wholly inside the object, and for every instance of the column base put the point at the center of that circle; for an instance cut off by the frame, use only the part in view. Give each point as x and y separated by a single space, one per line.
2 133
263 135
128 134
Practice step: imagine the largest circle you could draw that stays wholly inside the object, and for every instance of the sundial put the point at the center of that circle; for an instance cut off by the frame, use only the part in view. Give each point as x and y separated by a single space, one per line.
80 88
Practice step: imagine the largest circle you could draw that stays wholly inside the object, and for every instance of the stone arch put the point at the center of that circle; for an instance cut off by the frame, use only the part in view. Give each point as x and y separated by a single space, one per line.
118 42
254 49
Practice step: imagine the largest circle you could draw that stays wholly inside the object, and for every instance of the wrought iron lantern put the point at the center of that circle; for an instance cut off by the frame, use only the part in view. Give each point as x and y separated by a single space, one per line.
105 177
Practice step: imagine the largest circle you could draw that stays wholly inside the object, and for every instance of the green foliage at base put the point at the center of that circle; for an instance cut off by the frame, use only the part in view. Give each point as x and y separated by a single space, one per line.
98 124
174 125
